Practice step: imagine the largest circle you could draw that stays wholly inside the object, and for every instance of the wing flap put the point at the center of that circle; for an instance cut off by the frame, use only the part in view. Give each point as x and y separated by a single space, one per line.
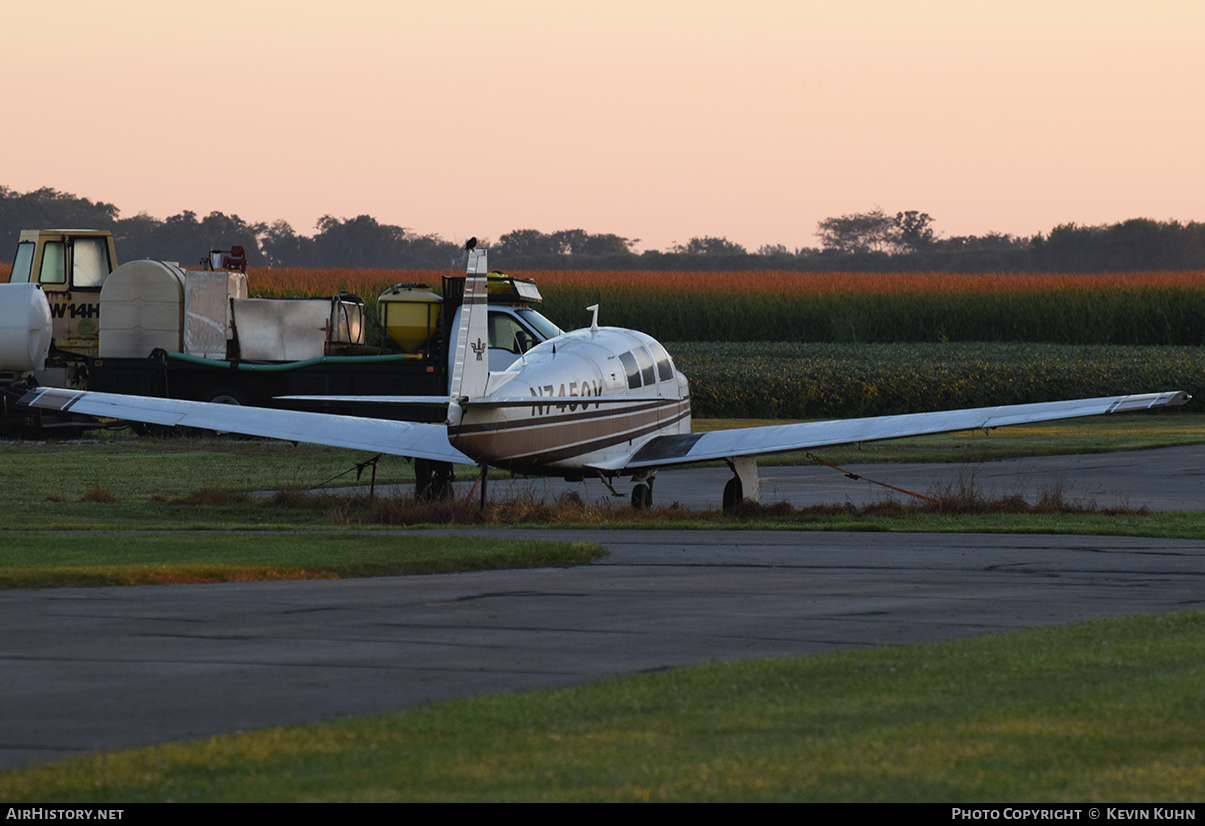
416 440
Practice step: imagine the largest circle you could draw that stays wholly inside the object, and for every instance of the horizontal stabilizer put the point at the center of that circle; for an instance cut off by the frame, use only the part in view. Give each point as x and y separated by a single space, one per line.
368 399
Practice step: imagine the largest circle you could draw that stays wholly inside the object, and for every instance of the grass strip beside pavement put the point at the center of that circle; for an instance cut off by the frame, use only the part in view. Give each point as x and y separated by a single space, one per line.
1105 711
93 558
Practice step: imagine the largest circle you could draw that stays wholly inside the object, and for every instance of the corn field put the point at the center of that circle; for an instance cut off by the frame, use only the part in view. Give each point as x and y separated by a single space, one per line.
1154 308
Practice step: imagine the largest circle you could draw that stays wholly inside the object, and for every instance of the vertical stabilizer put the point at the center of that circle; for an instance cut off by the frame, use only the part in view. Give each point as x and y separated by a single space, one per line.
471 366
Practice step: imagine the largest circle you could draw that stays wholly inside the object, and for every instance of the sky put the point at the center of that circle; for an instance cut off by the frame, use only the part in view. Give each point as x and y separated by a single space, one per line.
657 120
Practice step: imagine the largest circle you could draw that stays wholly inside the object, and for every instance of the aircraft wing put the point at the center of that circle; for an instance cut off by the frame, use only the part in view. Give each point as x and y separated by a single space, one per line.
666 451
416 440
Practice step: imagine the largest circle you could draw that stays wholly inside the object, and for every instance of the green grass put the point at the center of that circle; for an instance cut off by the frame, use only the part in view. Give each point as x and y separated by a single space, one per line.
70 503
1163 525
1106 711
133 468
93 558
117 482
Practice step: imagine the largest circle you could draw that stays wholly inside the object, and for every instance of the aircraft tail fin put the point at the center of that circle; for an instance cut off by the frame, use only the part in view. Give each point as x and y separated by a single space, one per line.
471 366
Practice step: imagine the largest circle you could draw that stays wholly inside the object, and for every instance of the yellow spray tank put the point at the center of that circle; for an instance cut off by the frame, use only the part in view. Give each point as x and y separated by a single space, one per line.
409 314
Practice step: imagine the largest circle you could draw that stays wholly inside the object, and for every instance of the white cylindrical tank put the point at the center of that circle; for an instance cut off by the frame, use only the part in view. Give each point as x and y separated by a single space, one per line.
24 327
141 309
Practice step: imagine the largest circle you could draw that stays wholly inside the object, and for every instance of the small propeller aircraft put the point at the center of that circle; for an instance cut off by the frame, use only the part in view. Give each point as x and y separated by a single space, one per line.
598 402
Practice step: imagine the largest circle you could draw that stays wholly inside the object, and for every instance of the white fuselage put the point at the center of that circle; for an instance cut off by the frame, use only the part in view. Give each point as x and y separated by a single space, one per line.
651 398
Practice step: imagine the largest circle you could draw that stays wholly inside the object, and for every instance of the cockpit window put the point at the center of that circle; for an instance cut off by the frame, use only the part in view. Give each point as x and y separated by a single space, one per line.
646 365
665 367
632 369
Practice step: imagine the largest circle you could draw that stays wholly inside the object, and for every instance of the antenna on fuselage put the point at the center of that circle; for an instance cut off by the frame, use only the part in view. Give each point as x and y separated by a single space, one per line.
593 308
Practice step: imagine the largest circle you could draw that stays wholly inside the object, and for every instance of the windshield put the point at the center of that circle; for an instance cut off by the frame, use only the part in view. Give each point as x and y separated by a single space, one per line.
538 323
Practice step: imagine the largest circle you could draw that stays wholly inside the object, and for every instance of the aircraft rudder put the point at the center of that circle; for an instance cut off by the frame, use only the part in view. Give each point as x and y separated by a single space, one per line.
471 367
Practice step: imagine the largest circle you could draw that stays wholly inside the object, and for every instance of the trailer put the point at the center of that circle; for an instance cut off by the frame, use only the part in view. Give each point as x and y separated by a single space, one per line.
71 317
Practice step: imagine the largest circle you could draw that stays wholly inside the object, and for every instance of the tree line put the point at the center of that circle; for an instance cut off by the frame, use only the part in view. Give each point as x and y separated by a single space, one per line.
353 242
873 241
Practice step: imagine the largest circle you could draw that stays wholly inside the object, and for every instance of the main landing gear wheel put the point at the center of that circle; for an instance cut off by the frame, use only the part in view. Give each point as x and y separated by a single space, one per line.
432 480
733 494
642 496
744 483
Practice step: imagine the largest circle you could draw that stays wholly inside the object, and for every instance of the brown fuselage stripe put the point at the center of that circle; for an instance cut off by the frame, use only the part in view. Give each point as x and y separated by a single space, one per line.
529 446
572 416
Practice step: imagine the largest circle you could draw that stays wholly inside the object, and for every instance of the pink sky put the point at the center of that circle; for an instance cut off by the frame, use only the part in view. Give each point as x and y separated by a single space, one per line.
653 120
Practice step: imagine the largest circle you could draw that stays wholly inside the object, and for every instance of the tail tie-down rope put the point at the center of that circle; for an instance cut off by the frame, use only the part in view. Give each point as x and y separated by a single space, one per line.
858 478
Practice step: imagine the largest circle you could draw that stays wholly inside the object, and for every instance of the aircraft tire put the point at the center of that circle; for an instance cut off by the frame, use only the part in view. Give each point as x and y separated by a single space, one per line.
733 494
226 395
642 497
441 488
433 481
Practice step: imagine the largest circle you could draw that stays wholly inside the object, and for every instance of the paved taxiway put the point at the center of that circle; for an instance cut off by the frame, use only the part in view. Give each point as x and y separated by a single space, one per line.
1165 479
84 669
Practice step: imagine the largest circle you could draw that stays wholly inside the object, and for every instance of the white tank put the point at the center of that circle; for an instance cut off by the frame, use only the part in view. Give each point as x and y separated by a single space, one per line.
141 308
24 327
